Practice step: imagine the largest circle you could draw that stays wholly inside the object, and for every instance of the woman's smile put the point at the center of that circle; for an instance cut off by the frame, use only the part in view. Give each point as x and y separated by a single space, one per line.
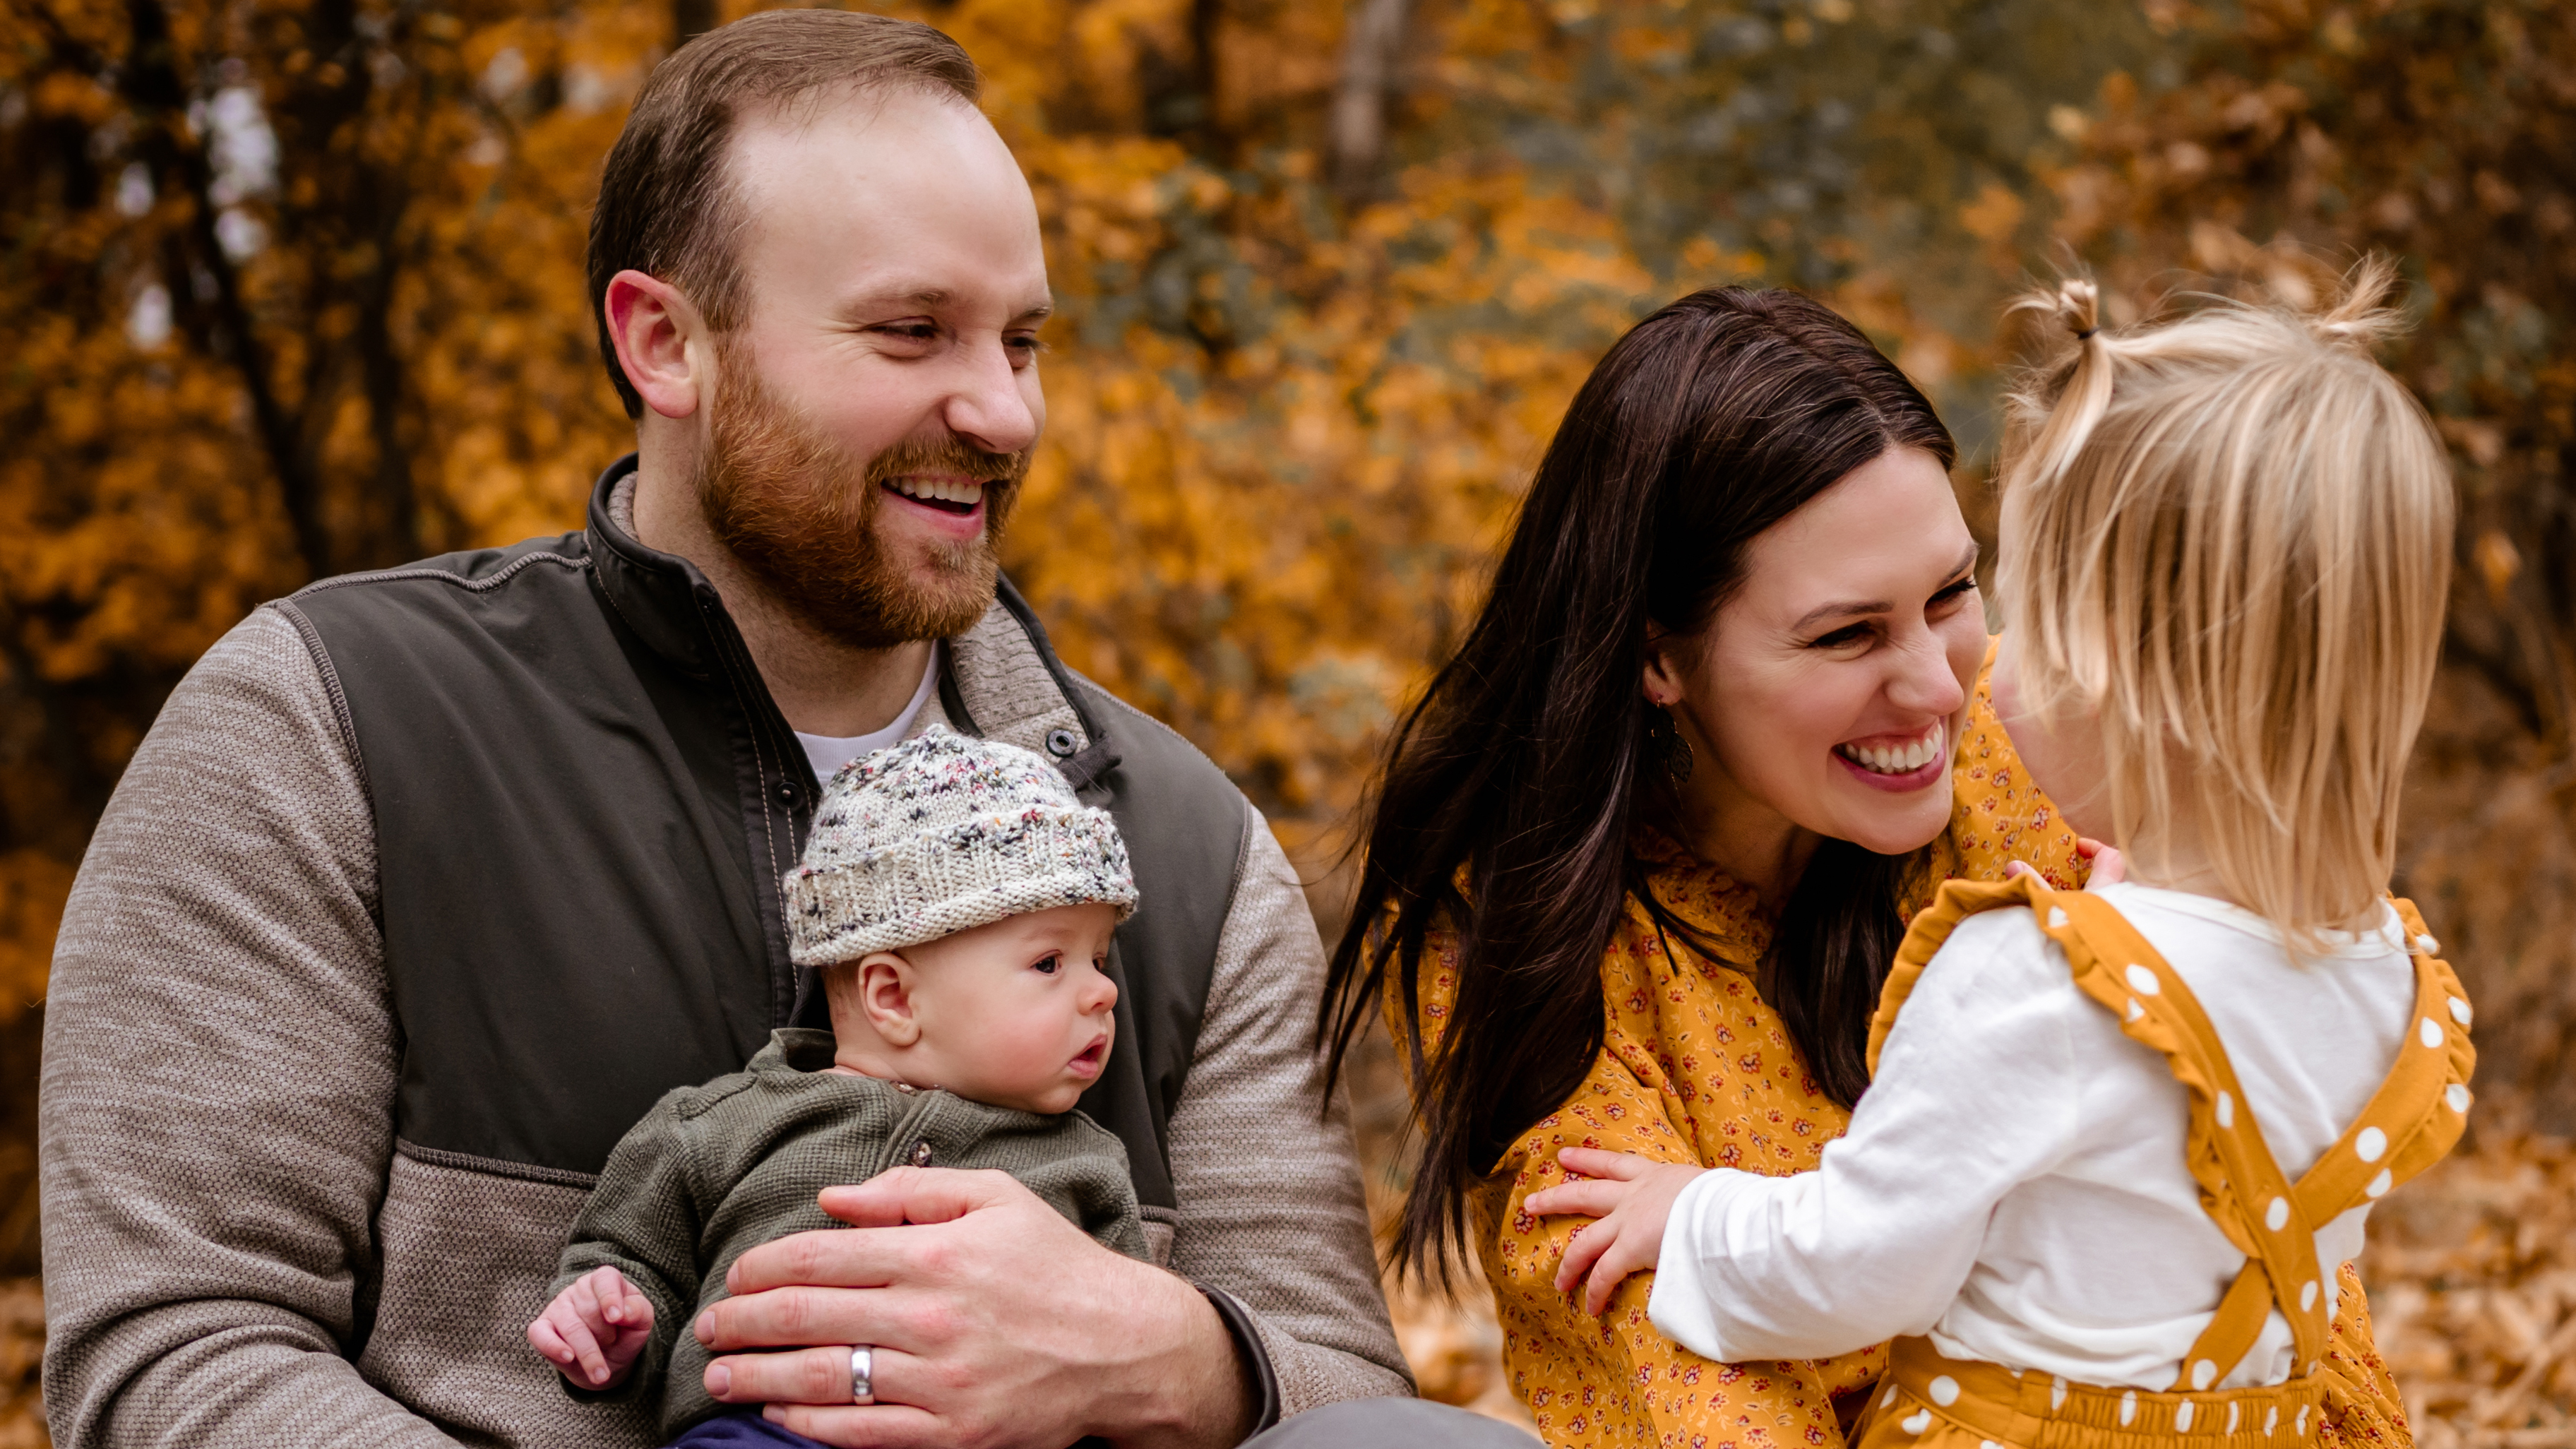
1898 762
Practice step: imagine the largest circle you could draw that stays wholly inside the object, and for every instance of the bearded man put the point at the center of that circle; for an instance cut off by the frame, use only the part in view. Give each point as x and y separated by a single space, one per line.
428 883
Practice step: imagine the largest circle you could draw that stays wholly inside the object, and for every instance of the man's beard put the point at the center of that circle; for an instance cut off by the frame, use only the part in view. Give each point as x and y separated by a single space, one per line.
799 512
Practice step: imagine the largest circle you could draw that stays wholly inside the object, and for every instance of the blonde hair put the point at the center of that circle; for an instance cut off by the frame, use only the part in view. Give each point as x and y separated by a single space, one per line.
2231 542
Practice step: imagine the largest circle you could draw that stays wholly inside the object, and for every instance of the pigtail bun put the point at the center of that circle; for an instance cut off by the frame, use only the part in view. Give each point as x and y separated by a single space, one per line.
2079 306
2361 316
2056 407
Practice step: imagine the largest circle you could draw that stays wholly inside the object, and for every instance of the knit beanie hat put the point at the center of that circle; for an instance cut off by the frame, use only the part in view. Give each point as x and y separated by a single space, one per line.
941 833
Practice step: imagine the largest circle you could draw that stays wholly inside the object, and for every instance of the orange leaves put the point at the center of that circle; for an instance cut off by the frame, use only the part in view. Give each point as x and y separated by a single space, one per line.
33 886
1993 215
1286 431
77 97
2473 1289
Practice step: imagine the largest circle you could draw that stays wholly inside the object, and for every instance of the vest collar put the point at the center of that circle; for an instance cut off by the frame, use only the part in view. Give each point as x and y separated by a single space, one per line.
661 596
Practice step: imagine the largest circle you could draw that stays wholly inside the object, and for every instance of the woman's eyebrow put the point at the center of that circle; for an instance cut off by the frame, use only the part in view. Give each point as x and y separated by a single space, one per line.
1823 612
1846 608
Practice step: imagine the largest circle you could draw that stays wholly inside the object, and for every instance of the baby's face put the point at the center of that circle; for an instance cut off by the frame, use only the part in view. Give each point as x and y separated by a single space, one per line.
1017 1013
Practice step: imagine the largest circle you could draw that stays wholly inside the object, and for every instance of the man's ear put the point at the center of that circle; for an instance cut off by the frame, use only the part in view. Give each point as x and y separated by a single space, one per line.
885 996
661 342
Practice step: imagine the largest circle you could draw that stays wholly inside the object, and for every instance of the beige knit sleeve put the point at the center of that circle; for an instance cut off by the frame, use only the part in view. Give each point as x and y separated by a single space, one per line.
1268 1186
219 1074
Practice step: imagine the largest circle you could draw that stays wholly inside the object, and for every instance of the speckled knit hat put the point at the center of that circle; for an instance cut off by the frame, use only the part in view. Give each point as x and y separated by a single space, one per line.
941 833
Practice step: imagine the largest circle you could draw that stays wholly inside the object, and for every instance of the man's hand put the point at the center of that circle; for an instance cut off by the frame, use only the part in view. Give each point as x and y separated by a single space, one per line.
995 1323
1632 1196
594 1328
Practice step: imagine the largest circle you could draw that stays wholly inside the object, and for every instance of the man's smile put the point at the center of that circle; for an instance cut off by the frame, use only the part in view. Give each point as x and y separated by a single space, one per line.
947 492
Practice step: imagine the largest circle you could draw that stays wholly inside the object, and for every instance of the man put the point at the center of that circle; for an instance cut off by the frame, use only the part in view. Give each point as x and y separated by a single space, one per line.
428 883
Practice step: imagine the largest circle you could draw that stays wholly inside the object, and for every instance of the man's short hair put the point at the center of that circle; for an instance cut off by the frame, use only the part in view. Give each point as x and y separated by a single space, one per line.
666 207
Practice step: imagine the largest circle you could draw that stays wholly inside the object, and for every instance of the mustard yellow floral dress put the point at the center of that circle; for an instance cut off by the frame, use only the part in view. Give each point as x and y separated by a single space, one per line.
1695 1067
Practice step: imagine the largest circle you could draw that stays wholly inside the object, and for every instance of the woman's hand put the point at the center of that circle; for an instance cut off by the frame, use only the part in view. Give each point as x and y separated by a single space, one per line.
1632 1196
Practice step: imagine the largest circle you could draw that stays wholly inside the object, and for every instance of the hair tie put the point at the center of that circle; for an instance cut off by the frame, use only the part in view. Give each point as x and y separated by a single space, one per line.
2087 332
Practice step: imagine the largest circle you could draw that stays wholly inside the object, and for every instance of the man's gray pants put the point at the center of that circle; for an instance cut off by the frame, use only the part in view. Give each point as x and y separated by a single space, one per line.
1390 1424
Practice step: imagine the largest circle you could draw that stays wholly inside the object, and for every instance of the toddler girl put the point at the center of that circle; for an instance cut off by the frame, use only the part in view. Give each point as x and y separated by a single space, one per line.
2118 1142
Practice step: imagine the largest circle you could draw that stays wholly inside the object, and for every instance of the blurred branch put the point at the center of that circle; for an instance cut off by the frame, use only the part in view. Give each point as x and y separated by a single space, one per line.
66 751
1369 53
357 211
1205 17
69 50
381 202
150 80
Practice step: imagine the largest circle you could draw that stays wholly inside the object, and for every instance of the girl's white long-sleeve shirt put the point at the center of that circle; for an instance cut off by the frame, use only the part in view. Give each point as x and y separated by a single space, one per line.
2014 1181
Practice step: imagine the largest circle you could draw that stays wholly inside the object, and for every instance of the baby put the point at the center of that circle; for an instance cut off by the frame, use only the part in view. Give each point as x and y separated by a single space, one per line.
959 902
2118 1143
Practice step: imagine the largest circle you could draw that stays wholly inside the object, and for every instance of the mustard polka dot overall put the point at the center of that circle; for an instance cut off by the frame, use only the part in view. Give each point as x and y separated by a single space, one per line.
1932 1402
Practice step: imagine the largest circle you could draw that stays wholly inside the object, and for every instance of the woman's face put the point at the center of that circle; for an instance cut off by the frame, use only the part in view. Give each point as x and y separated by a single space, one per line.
1828 692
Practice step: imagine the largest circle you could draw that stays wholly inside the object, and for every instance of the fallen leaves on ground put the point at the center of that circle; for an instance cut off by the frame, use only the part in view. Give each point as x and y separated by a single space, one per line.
2472 1278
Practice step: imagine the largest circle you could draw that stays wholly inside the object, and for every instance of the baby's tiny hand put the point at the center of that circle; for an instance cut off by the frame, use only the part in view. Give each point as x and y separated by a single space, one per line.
594 1329
1632 1196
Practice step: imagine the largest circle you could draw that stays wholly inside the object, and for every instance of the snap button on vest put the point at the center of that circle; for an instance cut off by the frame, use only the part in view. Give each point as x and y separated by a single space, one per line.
921 1153
786 792
1060 743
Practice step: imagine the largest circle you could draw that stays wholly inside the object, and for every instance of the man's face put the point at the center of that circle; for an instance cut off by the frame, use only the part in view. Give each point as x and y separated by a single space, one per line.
875 408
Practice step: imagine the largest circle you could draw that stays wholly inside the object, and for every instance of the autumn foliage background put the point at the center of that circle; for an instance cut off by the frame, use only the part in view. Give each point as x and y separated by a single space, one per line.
292 287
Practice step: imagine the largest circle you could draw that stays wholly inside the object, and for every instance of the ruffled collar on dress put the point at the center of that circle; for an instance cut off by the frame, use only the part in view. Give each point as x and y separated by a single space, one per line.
1725 911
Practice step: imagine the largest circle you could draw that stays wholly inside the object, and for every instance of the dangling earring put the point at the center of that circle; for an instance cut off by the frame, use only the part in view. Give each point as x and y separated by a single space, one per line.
1664 741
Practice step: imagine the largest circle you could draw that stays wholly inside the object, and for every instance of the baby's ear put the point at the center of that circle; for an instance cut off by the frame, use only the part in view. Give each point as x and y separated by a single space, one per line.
883 986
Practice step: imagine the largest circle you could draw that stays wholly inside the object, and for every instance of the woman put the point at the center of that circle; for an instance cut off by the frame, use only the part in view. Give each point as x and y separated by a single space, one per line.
1644 851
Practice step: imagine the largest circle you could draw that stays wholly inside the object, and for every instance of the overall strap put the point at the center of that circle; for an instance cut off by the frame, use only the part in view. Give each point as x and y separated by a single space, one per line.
2414 1118
2241 1187
2410 1122
1955 902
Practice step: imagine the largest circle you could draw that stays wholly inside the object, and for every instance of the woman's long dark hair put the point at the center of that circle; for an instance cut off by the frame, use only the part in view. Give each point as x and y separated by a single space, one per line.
1515 781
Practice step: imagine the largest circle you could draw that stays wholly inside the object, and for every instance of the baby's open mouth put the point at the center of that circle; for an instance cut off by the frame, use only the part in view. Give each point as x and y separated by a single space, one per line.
1902 757
1087 1063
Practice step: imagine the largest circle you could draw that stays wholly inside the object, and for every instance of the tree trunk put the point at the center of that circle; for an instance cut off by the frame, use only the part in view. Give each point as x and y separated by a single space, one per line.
1369 55
152 84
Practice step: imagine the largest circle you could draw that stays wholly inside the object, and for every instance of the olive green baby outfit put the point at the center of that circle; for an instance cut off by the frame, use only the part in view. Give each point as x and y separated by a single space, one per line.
716 1170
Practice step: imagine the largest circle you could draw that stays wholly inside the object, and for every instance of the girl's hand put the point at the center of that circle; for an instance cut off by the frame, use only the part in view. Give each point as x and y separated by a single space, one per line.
1632 1196
2109 866
594 1329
